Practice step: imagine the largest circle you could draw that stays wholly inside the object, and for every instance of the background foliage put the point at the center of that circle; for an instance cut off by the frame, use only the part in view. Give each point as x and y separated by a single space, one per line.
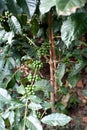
25 41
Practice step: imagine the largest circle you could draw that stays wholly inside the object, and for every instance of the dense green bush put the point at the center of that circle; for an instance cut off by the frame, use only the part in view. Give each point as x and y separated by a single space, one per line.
33 32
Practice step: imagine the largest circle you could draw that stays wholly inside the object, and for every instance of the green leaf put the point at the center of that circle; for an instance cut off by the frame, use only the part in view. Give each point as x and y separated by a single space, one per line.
56 119
46 105
21 89
73 27
74 75
46 5
73 80
4 96
66 7
60 73
6 36
34 98
21 125
16 104
11 117
2 124
34 106
33 123
13 7
14 25
77 68
63 7
28 6
43 85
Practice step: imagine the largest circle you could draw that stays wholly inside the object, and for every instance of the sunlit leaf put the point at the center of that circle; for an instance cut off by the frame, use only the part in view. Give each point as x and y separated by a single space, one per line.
14 25
33 123
4 96
74 27
46 5
34 106
11 117
66 7
56 119
21 89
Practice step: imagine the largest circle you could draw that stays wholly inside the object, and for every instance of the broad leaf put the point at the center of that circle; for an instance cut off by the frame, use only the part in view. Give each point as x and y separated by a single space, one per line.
74 75
34 98
56 119
63 7
77 68
74 27
46 105
73 80
28 6
2 124
14 25
11 117
33 123
66 7
6 36
60 73
46 5
34 106
43 85
13 7
21 89
4 96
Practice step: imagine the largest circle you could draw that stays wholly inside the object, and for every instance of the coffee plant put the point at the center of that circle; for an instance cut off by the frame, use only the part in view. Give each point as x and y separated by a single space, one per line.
33 32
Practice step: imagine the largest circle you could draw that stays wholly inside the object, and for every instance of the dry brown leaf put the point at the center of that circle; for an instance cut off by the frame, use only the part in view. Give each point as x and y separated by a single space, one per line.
84 119
65 99
80 84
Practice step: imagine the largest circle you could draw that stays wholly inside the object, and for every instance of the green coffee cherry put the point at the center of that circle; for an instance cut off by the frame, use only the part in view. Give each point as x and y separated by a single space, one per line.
39 115
30 89
37 64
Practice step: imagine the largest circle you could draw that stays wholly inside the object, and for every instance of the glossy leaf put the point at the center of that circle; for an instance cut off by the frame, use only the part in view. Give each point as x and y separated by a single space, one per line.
33 123
66 7
14 25
56 119
73 27
11 117
34 106
6 36
63 7
60 73
21 89
46 5
4 96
